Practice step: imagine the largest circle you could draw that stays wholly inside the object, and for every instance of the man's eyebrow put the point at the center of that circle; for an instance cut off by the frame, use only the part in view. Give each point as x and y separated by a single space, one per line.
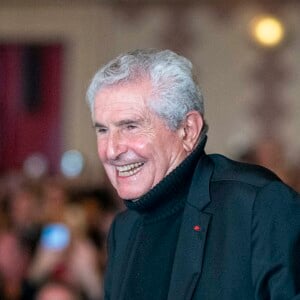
128 121
98 125
120 123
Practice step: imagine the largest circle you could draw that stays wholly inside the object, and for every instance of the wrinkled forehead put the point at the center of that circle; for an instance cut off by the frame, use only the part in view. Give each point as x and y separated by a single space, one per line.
125 97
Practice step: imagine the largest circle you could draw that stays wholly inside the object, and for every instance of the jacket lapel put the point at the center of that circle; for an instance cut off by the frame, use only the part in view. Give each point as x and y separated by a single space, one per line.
192 236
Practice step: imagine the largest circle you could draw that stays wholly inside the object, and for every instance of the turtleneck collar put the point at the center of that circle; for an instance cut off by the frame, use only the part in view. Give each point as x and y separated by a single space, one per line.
170 192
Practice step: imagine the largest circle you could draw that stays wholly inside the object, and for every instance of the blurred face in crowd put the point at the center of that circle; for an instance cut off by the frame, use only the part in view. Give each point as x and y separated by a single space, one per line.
13 259
54 291
135 146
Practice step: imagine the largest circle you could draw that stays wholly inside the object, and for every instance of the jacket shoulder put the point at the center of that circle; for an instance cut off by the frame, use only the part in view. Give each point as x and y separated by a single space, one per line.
226 169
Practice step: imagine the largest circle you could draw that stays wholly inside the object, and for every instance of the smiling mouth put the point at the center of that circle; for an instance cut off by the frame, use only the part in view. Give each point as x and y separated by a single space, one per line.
129 170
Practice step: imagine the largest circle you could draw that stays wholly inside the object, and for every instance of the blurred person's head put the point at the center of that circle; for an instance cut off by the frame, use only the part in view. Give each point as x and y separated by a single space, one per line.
10 184
270 153
76 219
57 291
25 206
55 197
13 257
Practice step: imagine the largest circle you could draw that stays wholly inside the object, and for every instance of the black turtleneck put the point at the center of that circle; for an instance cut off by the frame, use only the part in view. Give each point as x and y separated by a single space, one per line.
153 248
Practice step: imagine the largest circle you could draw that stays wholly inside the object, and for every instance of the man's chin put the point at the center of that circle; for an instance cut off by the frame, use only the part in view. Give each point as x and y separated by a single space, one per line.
130 195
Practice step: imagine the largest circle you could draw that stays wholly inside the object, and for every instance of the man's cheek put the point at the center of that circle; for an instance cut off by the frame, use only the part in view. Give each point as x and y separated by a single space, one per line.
102 156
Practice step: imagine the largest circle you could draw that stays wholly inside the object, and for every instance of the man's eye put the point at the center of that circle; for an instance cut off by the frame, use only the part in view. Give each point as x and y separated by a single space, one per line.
101 130
130 127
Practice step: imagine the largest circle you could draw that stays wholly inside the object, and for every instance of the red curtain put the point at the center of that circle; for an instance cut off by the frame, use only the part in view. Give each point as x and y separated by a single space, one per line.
30 104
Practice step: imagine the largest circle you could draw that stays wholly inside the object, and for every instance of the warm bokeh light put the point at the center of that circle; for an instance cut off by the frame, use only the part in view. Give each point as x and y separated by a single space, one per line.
267 31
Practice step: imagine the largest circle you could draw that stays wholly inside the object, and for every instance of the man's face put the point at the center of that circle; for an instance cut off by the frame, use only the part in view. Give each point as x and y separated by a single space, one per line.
135 146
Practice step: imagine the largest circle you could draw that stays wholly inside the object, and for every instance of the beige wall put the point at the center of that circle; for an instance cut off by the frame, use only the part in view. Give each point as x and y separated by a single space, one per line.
221 52
85 33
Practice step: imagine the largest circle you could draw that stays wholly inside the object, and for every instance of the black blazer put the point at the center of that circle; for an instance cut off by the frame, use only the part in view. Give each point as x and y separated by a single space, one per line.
247 243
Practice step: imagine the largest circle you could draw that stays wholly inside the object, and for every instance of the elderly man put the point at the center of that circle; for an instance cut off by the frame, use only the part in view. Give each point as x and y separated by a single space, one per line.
197 226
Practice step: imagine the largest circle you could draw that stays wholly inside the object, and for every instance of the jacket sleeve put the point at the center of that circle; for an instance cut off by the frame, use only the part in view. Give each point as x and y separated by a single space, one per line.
275 243
110 261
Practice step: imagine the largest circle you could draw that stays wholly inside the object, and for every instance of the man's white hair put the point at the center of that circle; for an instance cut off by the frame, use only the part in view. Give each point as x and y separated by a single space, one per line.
174 90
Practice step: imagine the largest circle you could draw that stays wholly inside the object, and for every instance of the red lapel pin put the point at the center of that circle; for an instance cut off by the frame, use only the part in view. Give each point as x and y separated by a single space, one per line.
197 228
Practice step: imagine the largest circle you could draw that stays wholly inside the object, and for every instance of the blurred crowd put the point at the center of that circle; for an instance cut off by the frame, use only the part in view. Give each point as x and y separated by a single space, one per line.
52 239
37 262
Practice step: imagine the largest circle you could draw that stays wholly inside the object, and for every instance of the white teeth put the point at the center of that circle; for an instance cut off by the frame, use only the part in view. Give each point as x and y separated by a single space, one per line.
130 169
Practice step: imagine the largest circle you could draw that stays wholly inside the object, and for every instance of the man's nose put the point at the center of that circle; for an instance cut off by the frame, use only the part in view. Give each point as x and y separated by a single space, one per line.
116 146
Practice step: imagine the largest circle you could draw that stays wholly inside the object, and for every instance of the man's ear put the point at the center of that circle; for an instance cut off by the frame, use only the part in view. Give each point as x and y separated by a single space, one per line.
190 130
